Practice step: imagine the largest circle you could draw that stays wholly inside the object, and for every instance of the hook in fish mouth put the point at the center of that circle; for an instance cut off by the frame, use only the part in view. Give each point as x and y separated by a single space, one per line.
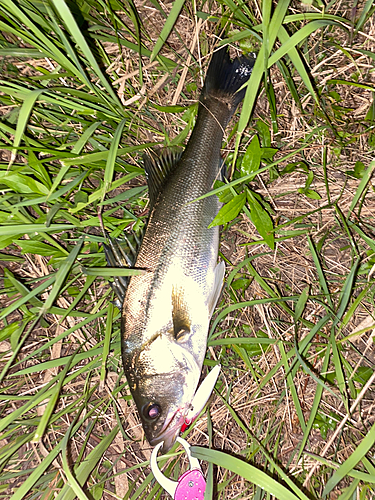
170 430
183 417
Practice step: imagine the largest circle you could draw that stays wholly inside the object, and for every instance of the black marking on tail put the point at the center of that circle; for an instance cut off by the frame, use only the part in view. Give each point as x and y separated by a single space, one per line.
225 77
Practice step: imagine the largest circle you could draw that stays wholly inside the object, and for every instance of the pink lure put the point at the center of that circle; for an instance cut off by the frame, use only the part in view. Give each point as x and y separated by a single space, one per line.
190 486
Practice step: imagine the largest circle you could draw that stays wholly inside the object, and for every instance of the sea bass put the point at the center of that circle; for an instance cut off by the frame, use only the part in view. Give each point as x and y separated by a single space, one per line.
167 310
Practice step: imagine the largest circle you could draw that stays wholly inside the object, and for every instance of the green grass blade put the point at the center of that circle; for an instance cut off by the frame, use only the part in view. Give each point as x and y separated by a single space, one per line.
53 363
167 28
23 118
298 63
106 345
77 148
84 469
314 407
113 152
362 18
72 26
346 293
19 412
349 464
21 229
321 276
301 304
112 271
28 296
45 418
298 37
248 472
361 187
61 276
292 388
37 473
37 38
66 333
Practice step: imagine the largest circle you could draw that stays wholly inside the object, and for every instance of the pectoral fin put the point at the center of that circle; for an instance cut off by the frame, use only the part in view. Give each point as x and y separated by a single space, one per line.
218 285
180 315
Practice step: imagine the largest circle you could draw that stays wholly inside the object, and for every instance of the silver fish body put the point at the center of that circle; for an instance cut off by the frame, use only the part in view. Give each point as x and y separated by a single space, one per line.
166 311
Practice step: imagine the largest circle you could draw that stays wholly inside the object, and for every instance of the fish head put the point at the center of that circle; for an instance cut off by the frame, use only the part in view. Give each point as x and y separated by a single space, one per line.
163 381
164 345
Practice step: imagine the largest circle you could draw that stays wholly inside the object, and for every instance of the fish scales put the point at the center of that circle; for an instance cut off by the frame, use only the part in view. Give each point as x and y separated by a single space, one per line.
166 311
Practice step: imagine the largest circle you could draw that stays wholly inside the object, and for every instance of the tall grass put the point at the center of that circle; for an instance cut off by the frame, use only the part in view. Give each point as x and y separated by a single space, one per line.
86 87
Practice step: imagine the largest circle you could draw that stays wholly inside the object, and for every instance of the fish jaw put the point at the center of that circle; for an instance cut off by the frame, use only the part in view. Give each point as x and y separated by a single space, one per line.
171 430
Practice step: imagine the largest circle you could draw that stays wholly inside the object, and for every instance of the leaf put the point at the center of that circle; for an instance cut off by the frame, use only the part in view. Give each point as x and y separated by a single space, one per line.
27 296
38 248
251 160
111 160
55 393
268 153
264 133
352 84
300 306
61 276
361 187
310 178
72 26
362 18
298 37
259 69
36 474
167 28
226 195
85 468
248 472
310 193
229 211
261 220
23 118
349 464
112 271
298 63
35 228
22 183
320 272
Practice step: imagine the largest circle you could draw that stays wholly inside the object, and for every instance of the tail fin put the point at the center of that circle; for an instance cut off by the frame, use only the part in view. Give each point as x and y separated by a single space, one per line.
225 77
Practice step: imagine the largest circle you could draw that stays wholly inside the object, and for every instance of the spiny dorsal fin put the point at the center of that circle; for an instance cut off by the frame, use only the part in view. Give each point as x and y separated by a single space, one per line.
180 315
158 164
122 253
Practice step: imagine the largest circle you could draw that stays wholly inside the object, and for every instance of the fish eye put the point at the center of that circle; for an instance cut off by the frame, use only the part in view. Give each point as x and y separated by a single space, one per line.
151 411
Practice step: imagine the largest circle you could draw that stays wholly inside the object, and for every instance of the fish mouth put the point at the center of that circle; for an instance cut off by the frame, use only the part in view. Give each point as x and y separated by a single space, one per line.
170 430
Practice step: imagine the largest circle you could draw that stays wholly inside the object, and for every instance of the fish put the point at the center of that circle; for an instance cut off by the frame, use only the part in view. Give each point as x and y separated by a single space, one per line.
166 311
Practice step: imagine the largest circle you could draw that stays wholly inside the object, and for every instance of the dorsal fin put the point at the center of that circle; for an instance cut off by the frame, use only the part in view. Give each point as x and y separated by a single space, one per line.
122 253
158 164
